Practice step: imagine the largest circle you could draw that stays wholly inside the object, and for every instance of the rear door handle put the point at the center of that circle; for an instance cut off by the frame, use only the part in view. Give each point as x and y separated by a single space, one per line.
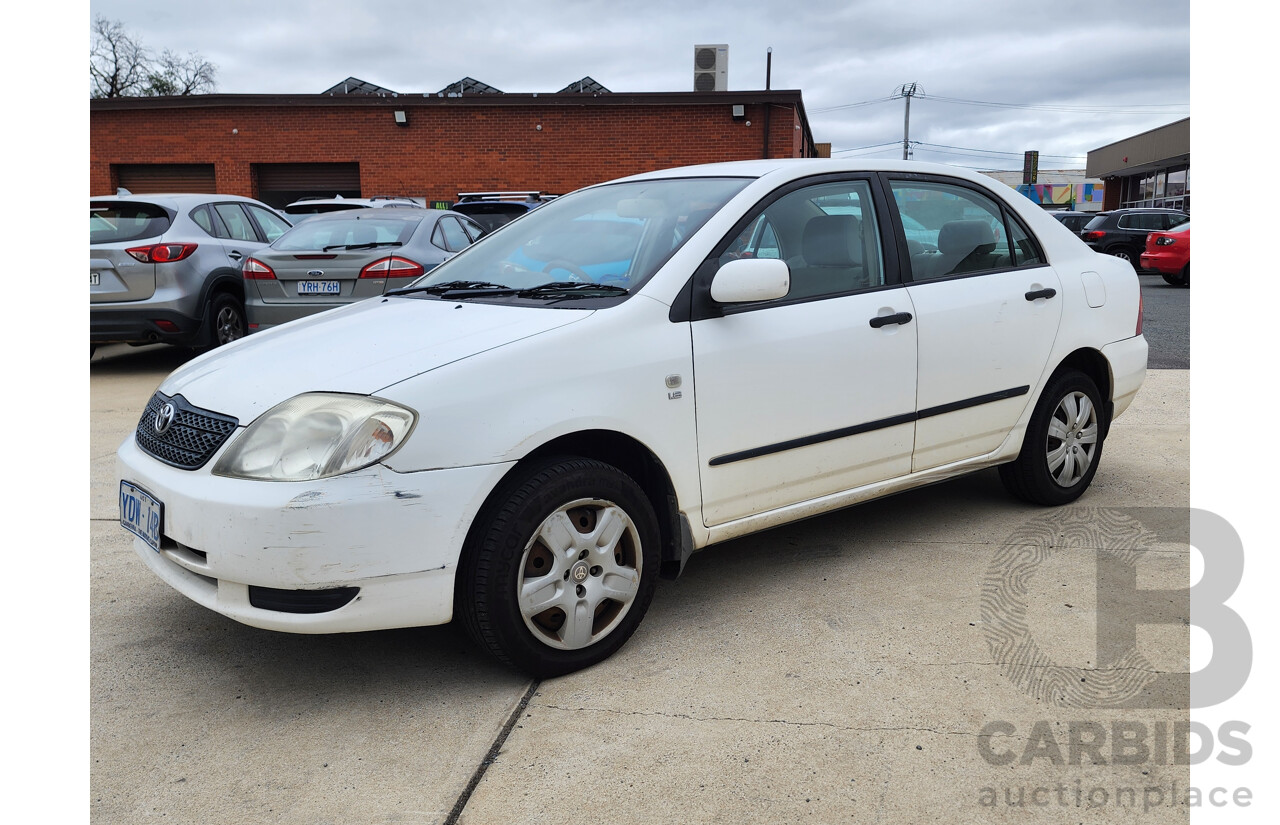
234 255
886 320
1040 293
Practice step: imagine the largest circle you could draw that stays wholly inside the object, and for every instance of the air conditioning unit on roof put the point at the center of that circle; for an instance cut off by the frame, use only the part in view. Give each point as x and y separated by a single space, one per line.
711 68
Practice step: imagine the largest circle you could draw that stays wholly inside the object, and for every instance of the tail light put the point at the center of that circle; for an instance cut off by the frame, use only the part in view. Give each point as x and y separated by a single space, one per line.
1165 240
393 267
255 270
1095 235
1138 331
162 253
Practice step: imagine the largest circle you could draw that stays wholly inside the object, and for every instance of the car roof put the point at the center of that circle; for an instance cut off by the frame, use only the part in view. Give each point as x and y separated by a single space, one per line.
175 199
379 215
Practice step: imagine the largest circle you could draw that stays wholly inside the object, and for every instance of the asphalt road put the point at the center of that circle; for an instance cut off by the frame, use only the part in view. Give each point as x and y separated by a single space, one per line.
1166 323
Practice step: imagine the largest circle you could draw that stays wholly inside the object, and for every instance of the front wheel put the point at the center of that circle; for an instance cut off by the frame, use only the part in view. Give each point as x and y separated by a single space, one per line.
562 567
1063 443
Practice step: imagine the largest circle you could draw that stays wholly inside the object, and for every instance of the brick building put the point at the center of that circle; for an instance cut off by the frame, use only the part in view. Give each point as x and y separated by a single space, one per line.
363 142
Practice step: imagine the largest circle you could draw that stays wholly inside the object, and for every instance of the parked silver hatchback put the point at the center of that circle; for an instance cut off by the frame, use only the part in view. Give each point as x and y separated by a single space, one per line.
166 268
338 258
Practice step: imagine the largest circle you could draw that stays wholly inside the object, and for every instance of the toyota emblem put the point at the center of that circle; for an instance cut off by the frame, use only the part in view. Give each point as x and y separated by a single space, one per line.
164 418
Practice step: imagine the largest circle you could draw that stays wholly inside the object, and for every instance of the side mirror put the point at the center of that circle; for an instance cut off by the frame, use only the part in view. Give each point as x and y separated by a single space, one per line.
751 279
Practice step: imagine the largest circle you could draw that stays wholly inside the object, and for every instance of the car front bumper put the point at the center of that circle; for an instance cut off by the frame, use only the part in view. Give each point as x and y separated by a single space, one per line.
255 551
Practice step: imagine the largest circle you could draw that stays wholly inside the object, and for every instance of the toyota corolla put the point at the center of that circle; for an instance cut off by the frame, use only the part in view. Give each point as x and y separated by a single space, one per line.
528 437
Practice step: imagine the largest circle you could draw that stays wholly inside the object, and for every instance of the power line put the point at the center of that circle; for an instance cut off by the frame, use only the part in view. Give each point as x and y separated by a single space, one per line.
1120 109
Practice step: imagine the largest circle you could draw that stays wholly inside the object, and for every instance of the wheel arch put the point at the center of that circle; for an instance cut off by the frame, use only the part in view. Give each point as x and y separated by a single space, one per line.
631 457
232 285
1095 365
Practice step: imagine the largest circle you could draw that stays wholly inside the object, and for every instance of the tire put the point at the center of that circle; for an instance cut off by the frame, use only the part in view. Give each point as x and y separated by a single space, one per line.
226 321
1123 253
1186 276
1063 443
569 537
1172 280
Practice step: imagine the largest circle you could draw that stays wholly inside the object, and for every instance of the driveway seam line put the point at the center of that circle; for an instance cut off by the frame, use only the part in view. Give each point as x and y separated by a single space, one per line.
492 755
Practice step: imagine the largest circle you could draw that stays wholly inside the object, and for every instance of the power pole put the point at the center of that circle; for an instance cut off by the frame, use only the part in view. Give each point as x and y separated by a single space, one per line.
908 91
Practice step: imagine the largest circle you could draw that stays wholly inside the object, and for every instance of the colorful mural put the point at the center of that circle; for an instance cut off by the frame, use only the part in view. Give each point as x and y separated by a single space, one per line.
1063 194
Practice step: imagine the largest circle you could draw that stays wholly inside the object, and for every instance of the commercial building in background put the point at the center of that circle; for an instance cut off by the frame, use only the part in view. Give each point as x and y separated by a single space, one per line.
1057 188
360 140
1149 169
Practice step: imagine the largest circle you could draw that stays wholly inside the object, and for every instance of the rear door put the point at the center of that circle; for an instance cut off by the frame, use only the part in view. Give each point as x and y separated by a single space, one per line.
987 309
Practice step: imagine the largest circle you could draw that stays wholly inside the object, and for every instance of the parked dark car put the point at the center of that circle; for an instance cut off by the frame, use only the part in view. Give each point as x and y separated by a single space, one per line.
337 258
1075 221
166 268
494 209
1123 232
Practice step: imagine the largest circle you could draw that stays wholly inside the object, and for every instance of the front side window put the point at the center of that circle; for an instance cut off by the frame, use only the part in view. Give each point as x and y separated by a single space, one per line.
953 230
827 234
272 224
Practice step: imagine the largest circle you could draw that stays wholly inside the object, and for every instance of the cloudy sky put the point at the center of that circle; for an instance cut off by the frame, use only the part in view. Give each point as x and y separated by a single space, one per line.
997 77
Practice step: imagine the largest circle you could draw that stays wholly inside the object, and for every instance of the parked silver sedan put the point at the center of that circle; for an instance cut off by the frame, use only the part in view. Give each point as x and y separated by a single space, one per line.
343 257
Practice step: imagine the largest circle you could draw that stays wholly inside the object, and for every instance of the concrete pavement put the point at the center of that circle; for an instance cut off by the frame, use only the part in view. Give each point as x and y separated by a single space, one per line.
837 670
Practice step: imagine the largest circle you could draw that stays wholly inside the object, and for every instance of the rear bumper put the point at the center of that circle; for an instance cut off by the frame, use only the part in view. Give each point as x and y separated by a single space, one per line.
1128 360
1162 263
142 326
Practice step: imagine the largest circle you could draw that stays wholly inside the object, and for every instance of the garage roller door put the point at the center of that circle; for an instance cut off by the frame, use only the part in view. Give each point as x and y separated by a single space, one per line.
151 178
280 184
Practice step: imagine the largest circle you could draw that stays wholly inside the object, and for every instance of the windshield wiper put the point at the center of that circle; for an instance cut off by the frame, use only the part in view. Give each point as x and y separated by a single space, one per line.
453 287
370 245
573 289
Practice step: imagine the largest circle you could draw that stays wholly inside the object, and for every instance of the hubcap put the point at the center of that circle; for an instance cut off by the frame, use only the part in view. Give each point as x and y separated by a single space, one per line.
1072 440
580 574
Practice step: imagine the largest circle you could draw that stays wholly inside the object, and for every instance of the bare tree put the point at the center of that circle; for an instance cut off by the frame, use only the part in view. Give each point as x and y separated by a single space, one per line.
120 66
176 75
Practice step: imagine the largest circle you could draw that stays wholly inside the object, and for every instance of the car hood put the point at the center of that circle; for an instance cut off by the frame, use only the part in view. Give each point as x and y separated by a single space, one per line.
361 348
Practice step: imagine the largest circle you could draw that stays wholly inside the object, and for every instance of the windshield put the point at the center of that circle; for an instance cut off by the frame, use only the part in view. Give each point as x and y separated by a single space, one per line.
613 236
115 222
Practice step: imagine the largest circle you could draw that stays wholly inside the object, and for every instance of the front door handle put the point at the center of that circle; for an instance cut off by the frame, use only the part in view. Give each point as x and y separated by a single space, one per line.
886 320
1040 293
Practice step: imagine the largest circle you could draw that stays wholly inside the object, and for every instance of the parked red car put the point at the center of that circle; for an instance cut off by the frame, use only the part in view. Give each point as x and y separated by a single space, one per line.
1169 253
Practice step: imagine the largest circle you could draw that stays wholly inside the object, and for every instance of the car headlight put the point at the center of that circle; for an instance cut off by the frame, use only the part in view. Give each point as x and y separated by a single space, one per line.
317 435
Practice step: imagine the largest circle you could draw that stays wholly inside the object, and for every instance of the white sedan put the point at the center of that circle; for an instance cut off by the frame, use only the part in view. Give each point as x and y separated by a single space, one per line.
529 436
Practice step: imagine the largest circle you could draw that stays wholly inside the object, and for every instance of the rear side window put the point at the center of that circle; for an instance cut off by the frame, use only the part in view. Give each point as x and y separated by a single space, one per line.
236 221
269 222
118 222
449 235
963 230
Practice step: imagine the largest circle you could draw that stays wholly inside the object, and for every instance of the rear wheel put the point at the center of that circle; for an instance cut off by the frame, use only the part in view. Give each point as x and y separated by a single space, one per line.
561 568
226 320
1063 443
1121 252
1186 275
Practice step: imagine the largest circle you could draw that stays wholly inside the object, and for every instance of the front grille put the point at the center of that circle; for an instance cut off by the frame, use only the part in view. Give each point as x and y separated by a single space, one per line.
191 439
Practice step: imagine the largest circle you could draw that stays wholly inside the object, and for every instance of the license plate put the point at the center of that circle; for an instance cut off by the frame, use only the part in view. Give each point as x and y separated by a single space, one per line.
141 514
319 288
94 279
